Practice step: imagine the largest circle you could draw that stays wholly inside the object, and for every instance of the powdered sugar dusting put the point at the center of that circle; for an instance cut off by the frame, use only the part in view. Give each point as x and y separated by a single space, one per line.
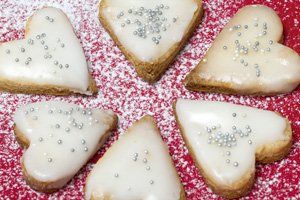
131 98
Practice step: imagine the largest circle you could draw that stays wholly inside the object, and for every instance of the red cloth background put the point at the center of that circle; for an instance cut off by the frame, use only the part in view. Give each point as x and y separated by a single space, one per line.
122 91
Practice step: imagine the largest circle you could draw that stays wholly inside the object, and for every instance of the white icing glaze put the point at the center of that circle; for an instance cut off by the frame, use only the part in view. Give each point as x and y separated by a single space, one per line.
278 70
144 48
46 125
196 117
118 176
60 42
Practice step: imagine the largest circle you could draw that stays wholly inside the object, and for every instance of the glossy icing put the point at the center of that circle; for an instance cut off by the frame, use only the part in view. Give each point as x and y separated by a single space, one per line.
246 54
50 54
137 166
170 31
203 119
62 136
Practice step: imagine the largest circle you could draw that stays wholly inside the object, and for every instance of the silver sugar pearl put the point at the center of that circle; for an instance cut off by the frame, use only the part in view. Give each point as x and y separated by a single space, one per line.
235 164
59 141
86 149
49 159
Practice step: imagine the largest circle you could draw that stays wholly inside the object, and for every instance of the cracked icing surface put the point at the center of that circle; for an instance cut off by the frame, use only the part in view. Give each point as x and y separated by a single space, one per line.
126 94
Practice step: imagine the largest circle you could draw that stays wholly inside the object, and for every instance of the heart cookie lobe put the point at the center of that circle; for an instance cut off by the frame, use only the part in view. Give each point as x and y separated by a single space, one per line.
225 140
50 60
247 58
137 166
150 33
60 138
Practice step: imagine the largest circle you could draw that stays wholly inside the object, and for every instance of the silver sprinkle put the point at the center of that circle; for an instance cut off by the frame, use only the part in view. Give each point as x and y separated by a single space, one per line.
146 151
43 34
7 51
151 182
72 150
145 160
86 149
234 114
56 62
116 175
82 141
250 141
227 161
49 159
67 66
22 50
57 126
45 47
60 66
148 168
40 139
59 141
228 153
26 63
224 47
67 129
235 164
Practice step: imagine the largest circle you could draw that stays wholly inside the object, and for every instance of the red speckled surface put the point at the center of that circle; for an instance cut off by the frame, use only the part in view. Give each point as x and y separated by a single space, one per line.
122 91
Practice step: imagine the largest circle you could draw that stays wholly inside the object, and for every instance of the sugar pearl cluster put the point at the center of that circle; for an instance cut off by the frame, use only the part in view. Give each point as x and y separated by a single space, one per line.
243 48
148 23
40 42
76 120
230 138
140 157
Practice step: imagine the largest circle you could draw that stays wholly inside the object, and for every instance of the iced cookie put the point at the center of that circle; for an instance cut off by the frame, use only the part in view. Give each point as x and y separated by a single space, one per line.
137 166
50 60
150 33
247 57
226 140
59 138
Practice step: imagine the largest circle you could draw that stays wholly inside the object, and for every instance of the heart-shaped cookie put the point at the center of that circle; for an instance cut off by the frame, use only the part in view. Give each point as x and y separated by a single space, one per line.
137 166
150 33
50 60
60 138
247 58
225 140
